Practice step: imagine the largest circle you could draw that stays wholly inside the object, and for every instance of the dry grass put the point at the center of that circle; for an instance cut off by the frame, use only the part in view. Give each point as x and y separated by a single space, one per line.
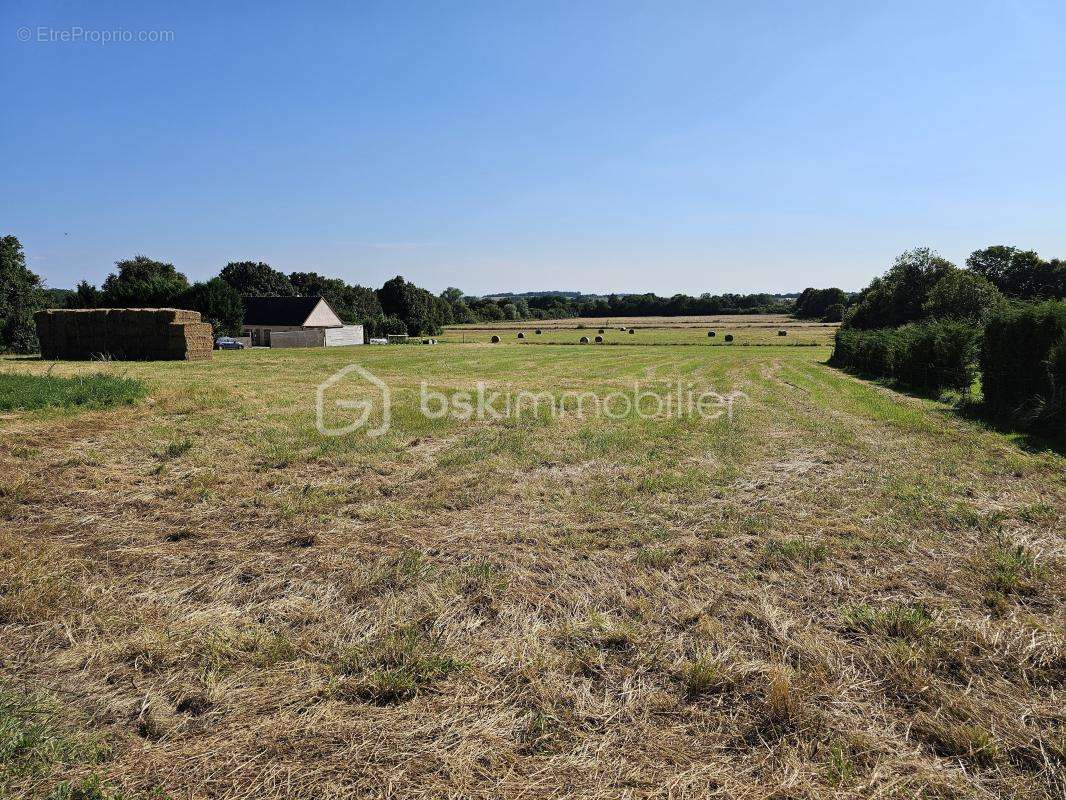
844 593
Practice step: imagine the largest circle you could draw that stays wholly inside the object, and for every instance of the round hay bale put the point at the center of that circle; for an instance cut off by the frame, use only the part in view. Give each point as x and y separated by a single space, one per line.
631 330
711 334
782 333
599 340
495 339
729 337
584 340
521 335
600 330
537 331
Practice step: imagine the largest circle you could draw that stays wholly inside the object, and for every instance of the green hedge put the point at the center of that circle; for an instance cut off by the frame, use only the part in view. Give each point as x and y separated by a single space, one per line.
864 352
1023 365
927 356
934 356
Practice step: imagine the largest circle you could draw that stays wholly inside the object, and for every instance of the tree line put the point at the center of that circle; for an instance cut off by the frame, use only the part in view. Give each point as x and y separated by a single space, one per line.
399 306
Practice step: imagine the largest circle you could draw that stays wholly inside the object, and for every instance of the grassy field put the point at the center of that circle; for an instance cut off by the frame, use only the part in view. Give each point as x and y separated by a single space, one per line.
695 321
746 330
742 336
840 592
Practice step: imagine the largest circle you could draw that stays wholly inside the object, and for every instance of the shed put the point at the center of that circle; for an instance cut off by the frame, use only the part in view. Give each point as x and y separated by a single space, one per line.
312 319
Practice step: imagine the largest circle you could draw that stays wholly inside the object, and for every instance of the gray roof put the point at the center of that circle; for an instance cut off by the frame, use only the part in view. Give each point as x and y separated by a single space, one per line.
278 310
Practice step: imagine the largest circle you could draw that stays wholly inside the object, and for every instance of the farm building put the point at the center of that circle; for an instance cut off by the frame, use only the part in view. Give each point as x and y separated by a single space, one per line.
296 322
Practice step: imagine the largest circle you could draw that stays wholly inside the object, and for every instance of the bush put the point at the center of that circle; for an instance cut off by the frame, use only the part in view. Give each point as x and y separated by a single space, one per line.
1023 362
961 294
835 313
934 356
863 352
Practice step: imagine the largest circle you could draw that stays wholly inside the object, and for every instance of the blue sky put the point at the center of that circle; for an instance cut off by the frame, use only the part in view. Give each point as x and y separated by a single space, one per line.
659 146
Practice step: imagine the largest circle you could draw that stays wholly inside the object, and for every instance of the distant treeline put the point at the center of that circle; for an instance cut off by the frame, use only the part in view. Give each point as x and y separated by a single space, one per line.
397 307
929 326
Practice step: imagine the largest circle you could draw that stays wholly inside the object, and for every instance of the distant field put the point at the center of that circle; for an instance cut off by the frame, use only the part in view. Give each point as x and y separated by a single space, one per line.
842 592
755 329
733 320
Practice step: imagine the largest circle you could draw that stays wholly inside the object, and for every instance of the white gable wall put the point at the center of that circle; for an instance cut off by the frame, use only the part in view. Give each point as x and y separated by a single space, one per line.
323 317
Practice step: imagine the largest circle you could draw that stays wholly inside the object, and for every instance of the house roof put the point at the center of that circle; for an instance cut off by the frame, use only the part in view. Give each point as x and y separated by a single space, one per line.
280 310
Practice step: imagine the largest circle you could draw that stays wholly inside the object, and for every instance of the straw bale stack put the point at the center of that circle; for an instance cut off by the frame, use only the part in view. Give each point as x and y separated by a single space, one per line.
123 334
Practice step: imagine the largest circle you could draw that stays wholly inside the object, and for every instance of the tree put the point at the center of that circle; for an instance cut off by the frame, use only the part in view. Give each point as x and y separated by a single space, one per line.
962 295
415 306
353 304
256 279
835 313
21 294
899 295
452 295
142 282
85 296
1007 267
1020 273
218 303
814 303
58 298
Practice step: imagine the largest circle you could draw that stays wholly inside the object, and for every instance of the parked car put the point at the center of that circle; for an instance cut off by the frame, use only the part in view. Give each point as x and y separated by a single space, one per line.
228 343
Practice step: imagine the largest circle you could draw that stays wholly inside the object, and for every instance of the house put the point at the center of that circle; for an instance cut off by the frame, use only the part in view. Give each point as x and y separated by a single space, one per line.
296 322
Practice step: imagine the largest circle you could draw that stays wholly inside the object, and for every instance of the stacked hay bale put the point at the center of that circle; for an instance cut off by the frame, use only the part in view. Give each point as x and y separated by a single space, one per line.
123 334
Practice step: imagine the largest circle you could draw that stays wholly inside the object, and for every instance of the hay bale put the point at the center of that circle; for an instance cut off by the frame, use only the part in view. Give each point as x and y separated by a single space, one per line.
124 333
631 330
495 339
729 337
599 340
537 331
711 334
584 340
600 330
782 333
521 335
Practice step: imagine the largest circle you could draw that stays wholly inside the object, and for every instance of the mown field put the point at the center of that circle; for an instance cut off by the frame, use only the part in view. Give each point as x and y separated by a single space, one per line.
690 321
841 592
746 329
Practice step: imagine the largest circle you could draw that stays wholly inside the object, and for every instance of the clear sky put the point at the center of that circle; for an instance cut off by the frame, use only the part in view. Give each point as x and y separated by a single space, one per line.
596 146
